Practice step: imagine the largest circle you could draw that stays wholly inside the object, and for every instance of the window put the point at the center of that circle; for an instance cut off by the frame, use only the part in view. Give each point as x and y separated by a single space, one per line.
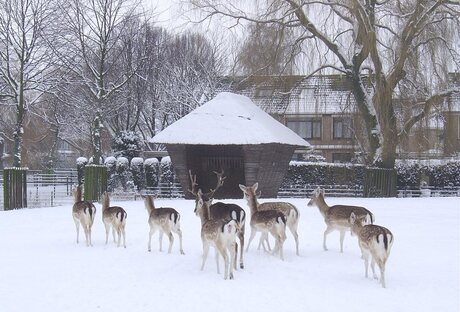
309 128
342 128
341 157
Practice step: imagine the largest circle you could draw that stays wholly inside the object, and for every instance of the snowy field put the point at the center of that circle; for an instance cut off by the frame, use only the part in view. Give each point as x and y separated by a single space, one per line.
43 269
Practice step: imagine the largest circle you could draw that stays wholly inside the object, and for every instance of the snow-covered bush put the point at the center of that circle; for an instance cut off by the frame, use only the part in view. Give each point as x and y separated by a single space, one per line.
166 171
123 175
307 173
137 172
81 163
111 164
127 144
151 169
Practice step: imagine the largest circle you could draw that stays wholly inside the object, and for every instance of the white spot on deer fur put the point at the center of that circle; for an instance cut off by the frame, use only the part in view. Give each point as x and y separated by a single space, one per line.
234 217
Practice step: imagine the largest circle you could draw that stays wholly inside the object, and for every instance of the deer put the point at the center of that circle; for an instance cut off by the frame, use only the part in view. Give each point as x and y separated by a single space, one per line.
336 217
265 221
290 212
374 241
113 217
164 219
83 213
221 210
219 233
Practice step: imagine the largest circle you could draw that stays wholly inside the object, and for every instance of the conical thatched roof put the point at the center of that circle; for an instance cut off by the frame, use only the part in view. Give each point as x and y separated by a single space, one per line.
225 120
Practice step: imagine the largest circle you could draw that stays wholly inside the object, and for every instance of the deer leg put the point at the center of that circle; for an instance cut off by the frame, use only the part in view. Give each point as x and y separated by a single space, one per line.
85 228
124 235
217 260
373 268
328 230
205 254
161 239
107 229
342 236
366 264
293 229
179 233
89 236
234 260
171 241
152 231
381 265
77 226
241 238
233 250
119 235
253 233
224 254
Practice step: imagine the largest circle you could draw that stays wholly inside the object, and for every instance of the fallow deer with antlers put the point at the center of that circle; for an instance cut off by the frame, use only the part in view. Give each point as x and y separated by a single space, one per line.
83 213
219 233
375 241
166 220
113 217
337 216
221 211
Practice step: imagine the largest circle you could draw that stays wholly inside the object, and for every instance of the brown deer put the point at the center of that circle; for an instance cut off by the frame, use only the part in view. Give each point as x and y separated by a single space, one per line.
337 216
219 233
114 217
166 220
265 221
220 211
83 213
374 241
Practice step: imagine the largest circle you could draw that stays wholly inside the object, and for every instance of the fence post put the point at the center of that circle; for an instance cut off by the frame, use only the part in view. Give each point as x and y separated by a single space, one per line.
95 182
380 182
14 188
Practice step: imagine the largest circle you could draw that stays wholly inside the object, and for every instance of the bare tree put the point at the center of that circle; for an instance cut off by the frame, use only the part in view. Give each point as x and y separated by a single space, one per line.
377 45
266 50
93 34
26 59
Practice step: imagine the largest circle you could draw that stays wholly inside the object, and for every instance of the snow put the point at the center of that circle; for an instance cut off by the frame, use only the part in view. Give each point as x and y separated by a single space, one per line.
137 161
166 160
82 161
110 160
43 269
150 162
228 119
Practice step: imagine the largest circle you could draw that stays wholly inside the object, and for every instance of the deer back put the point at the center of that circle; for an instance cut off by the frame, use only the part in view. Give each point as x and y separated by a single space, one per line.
115 212
340 214
376 237
283 207
163 215
221 210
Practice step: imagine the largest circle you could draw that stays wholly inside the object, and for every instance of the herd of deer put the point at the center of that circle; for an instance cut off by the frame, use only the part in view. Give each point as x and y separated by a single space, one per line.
222 222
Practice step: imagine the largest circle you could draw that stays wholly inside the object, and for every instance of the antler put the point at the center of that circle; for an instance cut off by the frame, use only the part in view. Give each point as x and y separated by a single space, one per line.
220 182
193 183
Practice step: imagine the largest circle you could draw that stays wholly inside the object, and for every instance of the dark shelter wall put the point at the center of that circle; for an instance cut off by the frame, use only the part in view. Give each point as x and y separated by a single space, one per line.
242 164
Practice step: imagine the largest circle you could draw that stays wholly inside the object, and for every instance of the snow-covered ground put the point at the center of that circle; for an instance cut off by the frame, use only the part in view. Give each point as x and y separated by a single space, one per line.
43 269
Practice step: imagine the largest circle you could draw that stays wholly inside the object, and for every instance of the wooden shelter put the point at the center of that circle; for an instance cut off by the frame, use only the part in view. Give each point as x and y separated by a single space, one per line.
230 133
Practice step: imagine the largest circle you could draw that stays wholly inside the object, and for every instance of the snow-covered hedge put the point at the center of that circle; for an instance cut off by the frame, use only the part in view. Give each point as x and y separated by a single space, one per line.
151 169
300 174
434 173
137 172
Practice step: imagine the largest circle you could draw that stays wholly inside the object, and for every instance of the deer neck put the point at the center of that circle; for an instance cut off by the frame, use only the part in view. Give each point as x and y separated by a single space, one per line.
204 213
149 204
105 202
253 203
321 204
77 194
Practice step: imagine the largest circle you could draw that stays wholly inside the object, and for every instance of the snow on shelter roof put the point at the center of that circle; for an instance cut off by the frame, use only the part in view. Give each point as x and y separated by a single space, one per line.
228 119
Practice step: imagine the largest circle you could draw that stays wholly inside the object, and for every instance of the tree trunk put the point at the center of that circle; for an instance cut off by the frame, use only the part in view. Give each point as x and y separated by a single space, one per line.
96 133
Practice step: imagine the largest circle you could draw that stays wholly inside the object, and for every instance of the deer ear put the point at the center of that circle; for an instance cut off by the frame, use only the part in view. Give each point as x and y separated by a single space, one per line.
242 187
255 186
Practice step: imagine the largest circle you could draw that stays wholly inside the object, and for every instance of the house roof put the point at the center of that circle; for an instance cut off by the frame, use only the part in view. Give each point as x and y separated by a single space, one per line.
225 120
295 94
